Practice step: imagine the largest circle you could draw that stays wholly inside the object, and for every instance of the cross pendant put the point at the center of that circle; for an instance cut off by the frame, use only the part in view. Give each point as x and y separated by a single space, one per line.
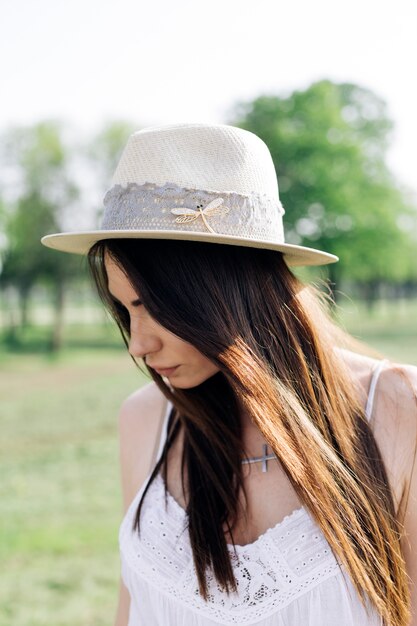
264 458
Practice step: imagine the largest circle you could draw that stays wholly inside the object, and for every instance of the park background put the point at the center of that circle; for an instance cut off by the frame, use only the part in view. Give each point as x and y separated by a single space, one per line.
328 86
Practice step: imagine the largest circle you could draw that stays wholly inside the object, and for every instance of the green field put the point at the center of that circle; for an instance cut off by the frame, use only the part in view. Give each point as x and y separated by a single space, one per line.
391 328
60 495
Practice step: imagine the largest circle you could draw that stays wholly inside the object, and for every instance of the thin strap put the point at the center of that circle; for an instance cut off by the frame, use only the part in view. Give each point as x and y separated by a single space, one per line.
161 438
372 387
164 432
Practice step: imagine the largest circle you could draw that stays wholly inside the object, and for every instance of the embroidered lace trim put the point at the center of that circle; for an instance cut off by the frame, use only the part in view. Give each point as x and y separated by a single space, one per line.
281 565
169 207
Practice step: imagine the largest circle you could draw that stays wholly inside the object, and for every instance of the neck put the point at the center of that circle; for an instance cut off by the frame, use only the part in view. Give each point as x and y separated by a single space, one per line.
244 416
252 438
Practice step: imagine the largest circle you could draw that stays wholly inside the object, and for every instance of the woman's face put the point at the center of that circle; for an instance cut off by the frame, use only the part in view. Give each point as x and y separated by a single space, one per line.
148 338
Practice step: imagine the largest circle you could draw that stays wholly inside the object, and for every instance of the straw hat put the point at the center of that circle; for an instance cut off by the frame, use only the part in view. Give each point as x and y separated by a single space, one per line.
199 182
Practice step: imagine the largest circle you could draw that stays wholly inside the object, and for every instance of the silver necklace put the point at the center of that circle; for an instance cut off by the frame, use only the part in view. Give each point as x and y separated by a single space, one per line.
262 459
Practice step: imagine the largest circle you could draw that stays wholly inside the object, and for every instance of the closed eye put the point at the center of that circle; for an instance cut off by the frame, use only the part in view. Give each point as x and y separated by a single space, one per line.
118 304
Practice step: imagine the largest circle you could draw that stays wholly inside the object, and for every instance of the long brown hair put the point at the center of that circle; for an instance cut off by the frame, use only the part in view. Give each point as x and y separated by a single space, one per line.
274 345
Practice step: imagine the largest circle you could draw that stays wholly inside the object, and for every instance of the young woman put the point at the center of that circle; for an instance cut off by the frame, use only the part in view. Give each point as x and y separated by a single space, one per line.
268 470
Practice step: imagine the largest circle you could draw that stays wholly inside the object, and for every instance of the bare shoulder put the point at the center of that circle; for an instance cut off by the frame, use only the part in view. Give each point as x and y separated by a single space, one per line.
397 382
360 368
394 422
396 399
394 414
405 392
134 411
140 418
400 384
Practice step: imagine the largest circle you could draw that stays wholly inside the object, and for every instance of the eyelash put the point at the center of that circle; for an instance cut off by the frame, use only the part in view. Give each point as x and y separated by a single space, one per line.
122 310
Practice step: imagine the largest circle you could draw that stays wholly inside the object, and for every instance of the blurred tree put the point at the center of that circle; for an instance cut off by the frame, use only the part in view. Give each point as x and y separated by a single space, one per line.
328 144
42 189
106 146
104 150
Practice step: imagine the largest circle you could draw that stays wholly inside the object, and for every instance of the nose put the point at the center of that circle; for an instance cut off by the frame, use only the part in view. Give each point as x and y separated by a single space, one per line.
140 345
145 337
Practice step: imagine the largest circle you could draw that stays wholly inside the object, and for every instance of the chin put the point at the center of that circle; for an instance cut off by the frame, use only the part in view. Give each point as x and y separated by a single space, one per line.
188 382
183 384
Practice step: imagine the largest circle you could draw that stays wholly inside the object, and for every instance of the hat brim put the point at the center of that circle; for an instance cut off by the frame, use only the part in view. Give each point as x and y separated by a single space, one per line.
81 242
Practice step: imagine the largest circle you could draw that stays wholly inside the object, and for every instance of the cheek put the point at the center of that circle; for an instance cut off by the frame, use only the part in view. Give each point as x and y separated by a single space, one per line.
187 353
194 354
205 364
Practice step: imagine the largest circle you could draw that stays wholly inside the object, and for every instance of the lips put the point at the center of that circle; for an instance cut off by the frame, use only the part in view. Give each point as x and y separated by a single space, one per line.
166 371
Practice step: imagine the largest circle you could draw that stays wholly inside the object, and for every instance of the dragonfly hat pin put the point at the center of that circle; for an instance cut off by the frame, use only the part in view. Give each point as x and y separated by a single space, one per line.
189 215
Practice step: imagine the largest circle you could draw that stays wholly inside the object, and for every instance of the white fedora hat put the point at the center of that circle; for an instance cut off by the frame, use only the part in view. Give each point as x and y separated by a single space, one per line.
198 182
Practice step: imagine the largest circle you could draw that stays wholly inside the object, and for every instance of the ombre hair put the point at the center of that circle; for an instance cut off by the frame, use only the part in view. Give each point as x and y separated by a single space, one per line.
276 349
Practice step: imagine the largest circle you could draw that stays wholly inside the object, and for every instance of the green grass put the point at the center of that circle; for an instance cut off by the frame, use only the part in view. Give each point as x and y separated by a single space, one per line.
60 494
390 328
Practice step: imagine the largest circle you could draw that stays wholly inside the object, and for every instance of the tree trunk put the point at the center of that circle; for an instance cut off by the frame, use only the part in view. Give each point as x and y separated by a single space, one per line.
24 293
11 315
58 327
371 294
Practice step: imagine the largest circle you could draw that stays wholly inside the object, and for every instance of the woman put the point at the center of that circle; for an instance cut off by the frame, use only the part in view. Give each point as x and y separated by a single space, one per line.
267 471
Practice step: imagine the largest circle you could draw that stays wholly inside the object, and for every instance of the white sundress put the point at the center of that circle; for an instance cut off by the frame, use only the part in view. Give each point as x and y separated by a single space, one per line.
289 576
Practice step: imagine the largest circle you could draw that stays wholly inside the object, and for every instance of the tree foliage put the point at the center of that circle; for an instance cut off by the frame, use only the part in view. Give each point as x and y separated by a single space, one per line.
45 187
104 150
329 144
106 146
43 194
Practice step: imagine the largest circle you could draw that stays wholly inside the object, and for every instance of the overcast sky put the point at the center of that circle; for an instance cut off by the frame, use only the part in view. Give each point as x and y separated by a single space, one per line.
160 61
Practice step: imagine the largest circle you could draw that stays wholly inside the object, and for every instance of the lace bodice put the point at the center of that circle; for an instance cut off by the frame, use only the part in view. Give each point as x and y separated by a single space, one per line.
288 576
